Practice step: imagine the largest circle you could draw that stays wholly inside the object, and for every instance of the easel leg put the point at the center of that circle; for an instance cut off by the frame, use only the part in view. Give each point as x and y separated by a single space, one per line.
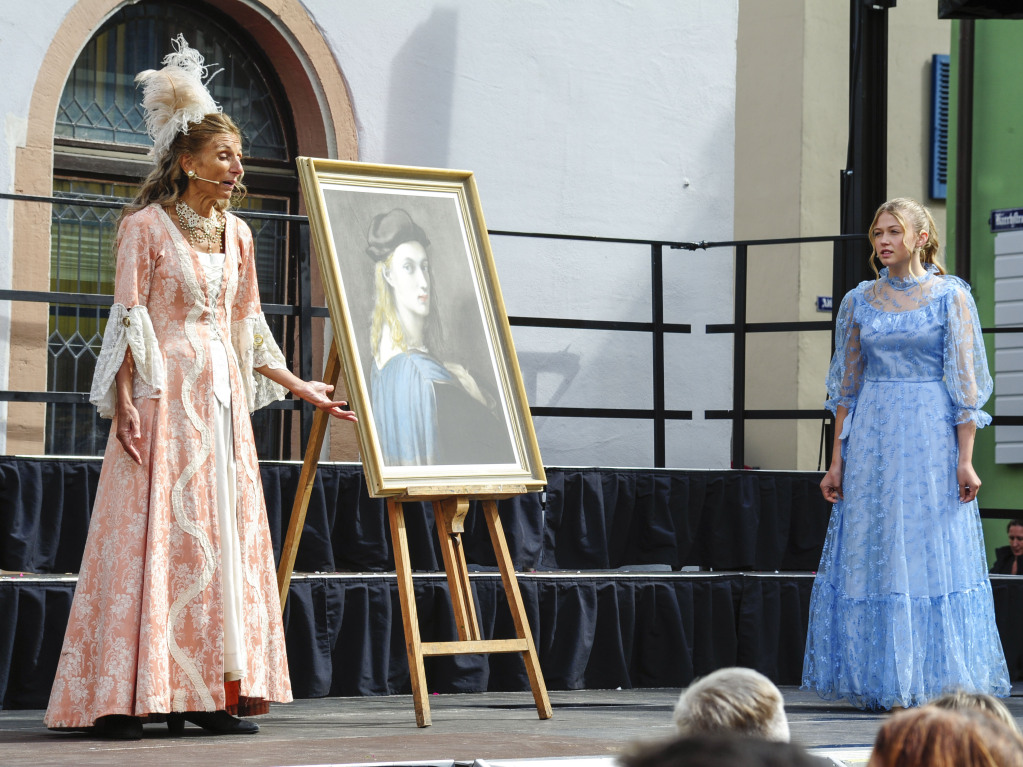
305 483
450 515
518 610
409 616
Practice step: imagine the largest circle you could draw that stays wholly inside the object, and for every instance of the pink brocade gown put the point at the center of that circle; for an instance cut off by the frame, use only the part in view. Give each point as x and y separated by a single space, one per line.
145 634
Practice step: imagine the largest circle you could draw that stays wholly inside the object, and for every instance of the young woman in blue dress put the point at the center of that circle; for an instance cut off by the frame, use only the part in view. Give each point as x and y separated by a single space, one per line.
901 609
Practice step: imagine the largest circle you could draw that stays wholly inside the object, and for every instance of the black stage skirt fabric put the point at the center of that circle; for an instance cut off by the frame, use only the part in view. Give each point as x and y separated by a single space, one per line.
588 519
592 631
599 555
597 631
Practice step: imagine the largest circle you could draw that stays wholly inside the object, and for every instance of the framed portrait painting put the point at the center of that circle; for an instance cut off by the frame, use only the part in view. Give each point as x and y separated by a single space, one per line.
420 325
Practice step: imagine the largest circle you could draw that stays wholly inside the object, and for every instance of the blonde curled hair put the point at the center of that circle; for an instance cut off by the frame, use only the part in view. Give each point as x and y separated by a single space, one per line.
914 218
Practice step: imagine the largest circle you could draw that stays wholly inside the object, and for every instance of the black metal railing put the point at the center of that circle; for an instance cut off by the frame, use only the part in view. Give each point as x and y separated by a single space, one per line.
303 310
739 414
658 329
659 415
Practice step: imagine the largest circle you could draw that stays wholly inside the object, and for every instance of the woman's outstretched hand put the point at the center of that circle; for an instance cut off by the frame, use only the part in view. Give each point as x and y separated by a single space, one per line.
831 485
129 430
316 393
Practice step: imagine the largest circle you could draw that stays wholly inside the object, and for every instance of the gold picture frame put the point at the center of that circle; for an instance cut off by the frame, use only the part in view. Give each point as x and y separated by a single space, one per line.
420 325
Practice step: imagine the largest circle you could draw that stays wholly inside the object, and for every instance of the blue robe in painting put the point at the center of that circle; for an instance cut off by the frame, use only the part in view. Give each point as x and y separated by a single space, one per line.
405 408
424 417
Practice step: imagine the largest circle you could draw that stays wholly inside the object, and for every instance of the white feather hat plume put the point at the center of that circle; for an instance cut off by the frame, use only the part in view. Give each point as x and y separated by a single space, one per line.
176 96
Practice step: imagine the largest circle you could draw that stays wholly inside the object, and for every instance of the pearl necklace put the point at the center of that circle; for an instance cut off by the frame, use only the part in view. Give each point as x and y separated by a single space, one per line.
199 229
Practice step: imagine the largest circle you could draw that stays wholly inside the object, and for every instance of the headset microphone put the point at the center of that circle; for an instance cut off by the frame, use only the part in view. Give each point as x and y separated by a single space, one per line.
191 175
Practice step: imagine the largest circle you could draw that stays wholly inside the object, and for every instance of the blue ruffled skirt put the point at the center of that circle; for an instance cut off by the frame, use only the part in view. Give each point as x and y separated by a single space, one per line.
901 609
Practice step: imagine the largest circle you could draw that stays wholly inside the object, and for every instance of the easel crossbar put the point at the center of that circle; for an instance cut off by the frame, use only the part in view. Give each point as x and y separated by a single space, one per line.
471 646
450 509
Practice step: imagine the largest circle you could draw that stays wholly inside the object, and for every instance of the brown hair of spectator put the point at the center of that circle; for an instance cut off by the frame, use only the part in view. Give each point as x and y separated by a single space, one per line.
937 737
718 750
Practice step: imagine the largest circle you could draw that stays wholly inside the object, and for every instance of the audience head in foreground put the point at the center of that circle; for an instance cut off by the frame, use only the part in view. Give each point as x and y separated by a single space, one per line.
733 700
719 750
935 737
961 700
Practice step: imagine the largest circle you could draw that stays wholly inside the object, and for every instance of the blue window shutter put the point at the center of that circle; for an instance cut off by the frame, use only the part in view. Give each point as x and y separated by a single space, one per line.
940 72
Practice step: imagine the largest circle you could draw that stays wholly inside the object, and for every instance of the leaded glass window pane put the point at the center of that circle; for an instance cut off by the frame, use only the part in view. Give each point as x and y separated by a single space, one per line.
100 104
100 101
270 239
81 261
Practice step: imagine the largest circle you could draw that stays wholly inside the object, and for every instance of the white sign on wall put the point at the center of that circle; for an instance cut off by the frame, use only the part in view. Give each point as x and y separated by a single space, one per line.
1009 346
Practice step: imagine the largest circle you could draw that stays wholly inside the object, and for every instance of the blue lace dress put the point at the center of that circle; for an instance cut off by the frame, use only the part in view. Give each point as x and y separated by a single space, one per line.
901 609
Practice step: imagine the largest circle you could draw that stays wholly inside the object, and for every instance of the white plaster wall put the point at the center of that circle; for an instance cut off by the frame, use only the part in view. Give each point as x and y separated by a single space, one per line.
25 33
793 99
617 121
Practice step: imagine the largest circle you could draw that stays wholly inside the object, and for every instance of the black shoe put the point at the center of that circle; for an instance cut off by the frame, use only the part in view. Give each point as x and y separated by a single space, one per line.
175 724
118 727
221 723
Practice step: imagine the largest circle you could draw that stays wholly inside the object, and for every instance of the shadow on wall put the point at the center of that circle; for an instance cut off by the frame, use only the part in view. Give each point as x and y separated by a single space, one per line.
560 367
421 94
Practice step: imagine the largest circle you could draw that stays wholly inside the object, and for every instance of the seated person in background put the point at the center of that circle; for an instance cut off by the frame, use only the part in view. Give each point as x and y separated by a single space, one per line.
1009 559
934 737
961 700
720 750
733 700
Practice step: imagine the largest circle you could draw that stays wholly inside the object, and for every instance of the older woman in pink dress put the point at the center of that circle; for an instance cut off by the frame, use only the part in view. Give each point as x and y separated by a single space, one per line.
176 615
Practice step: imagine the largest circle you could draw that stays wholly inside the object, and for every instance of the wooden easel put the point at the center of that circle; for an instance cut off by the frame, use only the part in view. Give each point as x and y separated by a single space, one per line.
450 511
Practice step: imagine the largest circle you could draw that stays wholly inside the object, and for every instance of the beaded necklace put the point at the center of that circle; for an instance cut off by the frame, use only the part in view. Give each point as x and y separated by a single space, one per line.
198 228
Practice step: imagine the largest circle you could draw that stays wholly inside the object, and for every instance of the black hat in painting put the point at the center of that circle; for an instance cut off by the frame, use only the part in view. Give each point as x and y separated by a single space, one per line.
389 230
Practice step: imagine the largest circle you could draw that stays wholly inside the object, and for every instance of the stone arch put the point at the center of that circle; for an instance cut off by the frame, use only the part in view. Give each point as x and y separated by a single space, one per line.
312 83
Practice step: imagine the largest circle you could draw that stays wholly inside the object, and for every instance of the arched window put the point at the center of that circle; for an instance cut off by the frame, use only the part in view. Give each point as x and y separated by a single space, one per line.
99 156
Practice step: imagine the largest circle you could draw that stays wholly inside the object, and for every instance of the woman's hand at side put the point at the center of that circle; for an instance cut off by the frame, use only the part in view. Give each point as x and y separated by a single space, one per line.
966 477
831 485
969 482
129 425
129 430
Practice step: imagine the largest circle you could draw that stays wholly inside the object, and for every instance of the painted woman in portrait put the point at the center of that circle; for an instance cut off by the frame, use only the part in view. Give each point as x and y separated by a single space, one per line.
427 412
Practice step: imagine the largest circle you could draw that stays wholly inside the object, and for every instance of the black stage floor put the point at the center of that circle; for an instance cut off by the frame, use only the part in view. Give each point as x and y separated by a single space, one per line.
495 729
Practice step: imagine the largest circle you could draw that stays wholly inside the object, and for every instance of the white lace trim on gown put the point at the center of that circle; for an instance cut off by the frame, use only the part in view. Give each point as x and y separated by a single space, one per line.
223 449
255 347
127 328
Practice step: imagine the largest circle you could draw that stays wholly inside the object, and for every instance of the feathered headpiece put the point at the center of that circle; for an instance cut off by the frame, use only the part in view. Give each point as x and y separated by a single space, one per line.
176 96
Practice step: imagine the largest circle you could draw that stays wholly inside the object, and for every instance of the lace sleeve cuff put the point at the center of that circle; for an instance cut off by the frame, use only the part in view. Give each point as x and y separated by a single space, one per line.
255 347
127 328
978 416
833 403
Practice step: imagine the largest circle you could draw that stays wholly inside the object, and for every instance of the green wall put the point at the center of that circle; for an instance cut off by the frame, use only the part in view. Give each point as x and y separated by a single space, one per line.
997 183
